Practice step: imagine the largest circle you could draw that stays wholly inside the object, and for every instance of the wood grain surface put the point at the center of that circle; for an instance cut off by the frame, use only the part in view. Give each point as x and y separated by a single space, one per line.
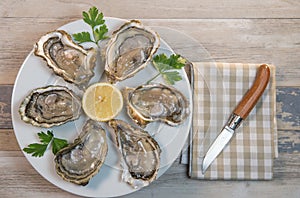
228 31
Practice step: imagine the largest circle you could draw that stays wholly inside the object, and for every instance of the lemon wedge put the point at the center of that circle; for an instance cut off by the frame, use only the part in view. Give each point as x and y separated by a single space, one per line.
102 101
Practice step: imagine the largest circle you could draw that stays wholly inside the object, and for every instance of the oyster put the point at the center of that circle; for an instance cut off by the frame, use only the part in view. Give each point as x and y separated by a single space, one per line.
129 50
156 102
140 152
50 106
81 160
67 59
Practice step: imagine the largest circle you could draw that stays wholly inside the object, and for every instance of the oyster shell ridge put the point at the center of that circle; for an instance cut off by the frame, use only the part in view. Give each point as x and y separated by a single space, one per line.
174 118
34 120
74 177
134 145
88 62
110 73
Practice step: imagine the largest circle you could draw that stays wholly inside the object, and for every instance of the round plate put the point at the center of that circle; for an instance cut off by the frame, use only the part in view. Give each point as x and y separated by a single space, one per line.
35 73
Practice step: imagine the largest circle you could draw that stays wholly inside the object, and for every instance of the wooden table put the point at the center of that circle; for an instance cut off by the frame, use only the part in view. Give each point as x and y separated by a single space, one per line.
231 31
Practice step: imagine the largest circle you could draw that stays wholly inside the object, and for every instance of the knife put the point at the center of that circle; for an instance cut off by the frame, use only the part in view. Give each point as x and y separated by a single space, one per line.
240 113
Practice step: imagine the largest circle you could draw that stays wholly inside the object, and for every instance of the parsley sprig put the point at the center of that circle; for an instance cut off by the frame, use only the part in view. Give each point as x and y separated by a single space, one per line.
166 66
46 139
97 23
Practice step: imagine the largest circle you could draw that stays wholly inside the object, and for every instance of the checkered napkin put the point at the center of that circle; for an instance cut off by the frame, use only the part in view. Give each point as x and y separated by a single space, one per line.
218 88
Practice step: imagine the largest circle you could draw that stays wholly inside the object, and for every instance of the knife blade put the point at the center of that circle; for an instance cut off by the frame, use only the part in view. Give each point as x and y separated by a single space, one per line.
239 114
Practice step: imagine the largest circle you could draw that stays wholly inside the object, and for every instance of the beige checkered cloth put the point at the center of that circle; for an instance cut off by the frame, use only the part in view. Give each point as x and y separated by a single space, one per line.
218 88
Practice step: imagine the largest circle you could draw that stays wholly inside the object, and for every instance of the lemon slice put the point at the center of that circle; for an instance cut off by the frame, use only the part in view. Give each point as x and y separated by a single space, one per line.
102 101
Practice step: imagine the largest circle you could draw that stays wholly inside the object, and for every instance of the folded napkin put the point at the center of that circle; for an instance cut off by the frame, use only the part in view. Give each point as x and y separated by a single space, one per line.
218 88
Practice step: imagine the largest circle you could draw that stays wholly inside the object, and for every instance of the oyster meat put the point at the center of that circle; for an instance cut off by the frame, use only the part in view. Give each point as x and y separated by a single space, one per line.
140 154
129 50
67 59
50 106
156 102
81 160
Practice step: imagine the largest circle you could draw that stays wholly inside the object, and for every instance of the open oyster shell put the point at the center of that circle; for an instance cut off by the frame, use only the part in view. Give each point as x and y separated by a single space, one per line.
156 102
67 59
82 160
129 50
140 153
50 106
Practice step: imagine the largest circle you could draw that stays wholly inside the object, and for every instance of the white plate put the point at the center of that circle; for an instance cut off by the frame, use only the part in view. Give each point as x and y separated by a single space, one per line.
35 73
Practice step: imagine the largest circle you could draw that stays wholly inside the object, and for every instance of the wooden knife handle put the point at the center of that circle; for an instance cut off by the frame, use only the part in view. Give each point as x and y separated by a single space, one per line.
251 97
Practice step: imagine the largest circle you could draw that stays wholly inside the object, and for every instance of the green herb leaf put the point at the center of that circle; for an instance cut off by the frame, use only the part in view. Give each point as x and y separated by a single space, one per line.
163 64
97 23
160 58
171 77
82 37
93 18
45 138
175 61
100 32
161 67
58 144
37 150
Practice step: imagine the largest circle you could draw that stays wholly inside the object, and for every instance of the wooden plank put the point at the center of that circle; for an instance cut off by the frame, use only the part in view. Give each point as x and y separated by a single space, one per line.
287 166
14 52
289 141
273 41
18 178
187 189
8 140
288 107
179 188
5 115
247 41
153 9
